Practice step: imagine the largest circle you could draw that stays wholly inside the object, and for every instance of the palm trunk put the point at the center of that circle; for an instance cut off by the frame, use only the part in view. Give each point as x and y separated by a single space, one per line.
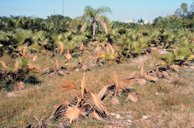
94 26
104 26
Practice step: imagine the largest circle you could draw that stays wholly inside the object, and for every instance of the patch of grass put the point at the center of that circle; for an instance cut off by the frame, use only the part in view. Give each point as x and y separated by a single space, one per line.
159 101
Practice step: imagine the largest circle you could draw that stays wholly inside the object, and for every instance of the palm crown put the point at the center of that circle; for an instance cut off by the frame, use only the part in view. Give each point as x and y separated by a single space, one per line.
95 17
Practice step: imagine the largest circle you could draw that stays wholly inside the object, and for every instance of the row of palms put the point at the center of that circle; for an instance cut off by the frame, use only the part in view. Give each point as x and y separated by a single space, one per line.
60 34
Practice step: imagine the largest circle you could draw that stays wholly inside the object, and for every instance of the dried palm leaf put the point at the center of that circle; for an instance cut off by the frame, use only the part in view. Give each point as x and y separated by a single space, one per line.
60 111
20 86
127 83
57 64
48 70
16 67
142 71
132 97
141 82
98 103
24 50
68 85
34 58
4 65
175 67
96 116
72 113
61 47
111 49
81 47
61 73
166 75
105 91
150 78
34 68
68 55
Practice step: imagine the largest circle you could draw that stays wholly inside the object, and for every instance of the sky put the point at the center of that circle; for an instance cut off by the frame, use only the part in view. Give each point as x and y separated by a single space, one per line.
122 10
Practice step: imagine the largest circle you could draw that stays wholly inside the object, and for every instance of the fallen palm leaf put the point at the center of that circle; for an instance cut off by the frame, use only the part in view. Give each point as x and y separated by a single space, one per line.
34 68
175 67
187 63
105 91
61 73
150 78
83 86
4 65
72 113
67 85
34 58
16 67
61 47
132 75
57 64
96 116
24 50
60 111
98 103
48 70
20 86
141 82
127 84
132 97
66 102
142 71
166 75
68 55
81 47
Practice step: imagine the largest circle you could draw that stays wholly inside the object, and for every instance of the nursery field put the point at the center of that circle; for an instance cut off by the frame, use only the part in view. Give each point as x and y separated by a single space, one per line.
93 72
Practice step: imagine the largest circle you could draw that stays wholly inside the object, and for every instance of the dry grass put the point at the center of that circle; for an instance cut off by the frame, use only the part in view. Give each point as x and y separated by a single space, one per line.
161 104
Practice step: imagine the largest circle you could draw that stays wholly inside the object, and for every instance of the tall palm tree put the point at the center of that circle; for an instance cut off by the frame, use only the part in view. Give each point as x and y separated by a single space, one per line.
95 16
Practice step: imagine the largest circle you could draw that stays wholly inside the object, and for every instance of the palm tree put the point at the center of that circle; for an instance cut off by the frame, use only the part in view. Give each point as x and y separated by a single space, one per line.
95 17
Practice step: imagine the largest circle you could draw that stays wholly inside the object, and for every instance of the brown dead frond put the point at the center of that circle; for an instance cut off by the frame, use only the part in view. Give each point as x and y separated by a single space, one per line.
61 47
16 66
133 97
142 71
81 47
3 64
20 86
68 85
24 50
127 84
34 68
166 75
151 78
57 64
68 55
175 67
72 113
141 82
96 116
105 91
98 103
34 58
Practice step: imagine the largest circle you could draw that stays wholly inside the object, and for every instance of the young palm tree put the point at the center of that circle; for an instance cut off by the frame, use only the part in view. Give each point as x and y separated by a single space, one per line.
95 17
